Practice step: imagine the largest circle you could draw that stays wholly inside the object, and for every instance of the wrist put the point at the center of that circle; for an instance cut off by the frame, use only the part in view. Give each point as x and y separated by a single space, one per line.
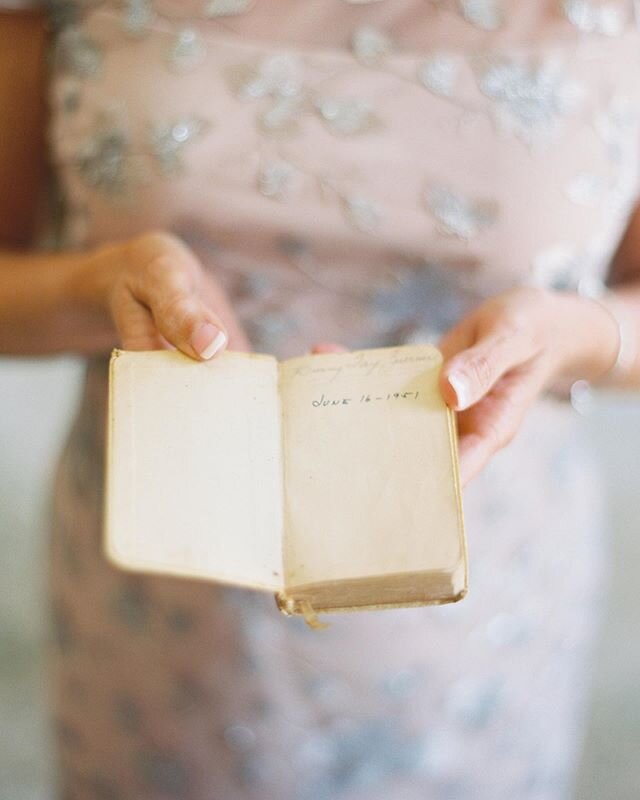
590 336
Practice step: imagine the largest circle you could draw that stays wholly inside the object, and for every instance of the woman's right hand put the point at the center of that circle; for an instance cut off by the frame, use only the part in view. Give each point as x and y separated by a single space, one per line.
158 295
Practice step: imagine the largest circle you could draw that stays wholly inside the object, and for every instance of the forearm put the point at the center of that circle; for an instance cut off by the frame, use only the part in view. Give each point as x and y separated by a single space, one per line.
45 309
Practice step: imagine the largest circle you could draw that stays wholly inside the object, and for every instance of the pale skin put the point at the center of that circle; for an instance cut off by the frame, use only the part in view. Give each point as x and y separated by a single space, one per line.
152 292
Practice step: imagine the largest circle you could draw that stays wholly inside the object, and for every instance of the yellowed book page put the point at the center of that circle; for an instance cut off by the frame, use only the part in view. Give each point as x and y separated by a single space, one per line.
370 470
194 472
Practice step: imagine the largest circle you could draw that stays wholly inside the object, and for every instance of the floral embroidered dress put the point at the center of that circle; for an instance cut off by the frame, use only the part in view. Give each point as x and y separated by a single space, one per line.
363 171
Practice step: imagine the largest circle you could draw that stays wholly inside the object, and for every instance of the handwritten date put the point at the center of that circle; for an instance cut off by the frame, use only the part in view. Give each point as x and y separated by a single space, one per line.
324 401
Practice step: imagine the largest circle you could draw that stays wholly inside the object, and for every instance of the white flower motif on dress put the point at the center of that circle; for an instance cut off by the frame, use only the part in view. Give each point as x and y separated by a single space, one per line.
362 213
137 18
274 179
458 215
438 73
346 116
169 139
487 15
530 98
186 52
227 8
370 46
607 19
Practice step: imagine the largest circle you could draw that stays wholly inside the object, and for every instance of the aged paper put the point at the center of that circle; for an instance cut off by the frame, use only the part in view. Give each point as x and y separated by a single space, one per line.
370 484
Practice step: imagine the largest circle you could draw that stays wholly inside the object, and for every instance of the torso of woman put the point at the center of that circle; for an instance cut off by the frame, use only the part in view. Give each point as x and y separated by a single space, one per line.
363 172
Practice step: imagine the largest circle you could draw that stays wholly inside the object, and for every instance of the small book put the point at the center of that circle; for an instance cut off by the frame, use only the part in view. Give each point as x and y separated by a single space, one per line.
329 480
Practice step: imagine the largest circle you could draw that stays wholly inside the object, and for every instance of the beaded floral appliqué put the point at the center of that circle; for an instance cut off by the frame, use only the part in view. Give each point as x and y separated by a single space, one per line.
606 19
458 215
487 15
169 139
77 54
529 98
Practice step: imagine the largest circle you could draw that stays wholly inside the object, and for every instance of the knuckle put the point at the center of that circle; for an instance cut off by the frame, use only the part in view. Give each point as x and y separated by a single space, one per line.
160 268
481 370
156 239
155 255
173 306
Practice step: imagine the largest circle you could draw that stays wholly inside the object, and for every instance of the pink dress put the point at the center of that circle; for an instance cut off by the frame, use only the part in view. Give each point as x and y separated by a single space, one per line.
363 171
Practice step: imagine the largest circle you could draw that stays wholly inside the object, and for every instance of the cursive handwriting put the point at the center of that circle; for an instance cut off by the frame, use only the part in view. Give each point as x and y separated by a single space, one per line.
366 363
324 401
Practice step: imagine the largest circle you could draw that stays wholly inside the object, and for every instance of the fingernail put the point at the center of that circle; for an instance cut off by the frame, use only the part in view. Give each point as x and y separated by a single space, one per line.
460 386
208 340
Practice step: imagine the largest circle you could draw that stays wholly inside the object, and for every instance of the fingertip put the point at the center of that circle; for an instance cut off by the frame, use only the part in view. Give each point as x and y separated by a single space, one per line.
456 389
448 395
327 347
461 390
208 340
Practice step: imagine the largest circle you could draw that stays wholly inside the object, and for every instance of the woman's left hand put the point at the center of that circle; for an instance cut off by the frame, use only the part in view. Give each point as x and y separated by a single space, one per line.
499 358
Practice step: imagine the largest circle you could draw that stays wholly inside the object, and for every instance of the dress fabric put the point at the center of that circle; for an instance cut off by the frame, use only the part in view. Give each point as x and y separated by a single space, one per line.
363 172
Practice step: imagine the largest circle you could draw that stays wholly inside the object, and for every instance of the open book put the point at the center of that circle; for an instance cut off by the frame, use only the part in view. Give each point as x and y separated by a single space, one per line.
330 480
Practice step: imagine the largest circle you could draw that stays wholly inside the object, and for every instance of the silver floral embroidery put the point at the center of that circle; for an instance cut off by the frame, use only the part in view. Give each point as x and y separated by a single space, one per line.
556 267
77 54
186 52
227 8
101 161
370 46
402 683
346 754
614 125
346 115
239 737
70 102
138 16
270 329
169 139
275 178
362 213
484 14
282 116
607 19
279 75
458 215
508 630
439 73
617 126
529 97
586 189
475 701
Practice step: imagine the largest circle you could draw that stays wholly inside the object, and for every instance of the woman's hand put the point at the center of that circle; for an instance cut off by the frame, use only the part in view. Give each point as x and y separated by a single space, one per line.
506 352
157 294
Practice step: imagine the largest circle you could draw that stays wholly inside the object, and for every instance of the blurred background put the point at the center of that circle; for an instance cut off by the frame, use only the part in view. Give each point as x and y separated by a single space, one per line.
37 399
